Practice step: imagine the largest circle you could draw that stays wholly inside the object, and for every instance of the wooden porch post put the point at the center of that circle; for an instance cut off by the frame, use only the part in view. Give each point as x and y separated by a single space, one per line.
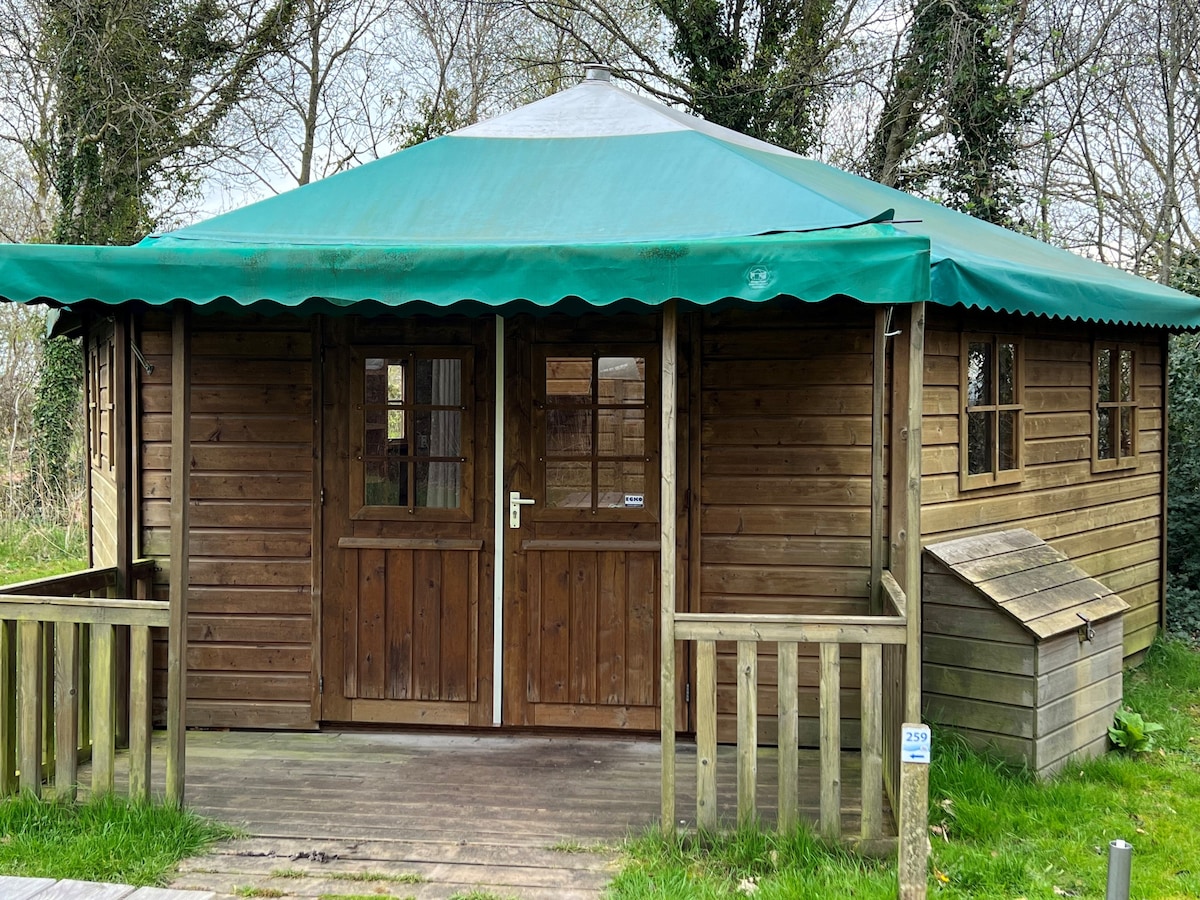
667 507
181 453
878 483
122 425
906 564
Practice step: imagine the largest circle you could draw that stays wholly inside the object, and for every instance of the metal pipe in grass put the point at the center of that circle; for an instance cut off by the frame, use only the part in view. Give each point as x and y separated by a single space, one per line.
1120 855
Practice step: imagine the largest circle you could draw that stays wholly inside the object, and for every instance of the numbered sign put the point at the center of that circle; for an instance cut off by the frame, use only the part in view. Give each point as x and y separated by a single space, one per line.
916 743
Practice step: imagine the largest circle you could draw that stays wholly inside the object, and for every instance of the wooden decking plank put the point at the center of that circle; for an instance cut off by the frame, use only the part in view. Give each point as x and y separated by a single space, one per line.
84 890
13 888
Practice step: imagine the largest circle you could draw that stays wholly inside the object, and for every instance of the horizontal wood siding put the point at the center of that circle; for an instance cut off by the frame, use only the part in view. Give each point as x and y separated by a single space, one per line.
250 607
1109 523
785 482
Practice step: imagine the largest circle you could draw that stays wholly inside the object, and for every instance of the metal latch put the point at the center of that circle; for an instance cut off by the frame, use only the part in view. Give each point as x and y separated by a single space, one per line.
515 502
1086 631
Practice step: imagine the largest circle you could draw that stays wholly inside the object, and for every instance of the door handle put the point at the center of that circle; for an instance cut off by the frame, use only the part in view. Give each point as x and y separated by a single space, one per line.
515 502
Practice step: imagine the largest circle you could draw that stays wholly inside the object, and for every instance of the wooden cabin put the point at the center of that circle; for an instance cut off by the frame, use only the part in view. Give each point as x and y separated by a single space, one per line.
598 416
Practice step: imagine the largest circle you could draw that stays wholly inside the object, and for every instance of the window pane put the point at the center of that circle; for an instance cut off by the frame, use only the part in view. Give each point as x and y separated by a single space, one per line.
1007 441
386 482
1007 361
1104 375
568 485
375 431
1128 425
979 375
437 432
568 432
622 379
395 430
622 485
568 380
437 484
622 432
979 442
1105 445
438 382
1126 375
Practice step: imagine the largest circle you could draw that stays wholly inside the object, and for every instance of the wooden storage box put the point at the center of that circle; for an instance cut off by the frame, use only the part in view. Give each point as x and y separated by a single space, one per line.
1022 649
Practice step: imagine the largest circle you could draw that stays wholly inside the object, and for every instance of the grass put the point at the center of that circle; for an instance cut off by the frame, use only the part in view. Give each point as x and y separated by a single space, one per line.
38 550
997 832
105 840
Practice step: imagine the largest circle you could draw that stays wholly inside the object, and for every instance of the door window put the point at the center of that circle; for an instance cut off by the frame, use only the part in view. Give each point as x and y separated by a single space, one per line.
410 422
597 433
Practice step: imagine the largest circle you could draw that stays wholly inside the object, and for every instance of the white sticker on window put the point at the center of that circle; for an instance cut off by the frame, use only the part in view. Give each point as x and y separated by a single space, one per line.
635 501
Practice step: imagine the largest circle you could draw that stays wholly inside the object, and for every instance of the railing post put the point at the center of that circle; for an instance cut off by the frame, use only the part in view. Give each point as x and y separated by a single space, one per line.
831 742
66 710
29 706
139 712
789 737
706 735
872 742
103 710
747 733
8 707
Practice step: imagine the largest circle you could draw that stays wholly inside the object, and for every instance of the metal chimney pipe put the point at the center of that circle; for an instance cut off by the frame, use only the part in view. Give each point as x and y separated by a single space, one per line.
597 72
1120 855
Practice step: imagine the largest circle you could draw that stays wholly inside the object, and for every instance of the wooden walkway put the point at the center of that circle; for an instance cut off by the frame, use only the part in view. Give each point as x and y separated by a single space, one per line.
48 889
433 815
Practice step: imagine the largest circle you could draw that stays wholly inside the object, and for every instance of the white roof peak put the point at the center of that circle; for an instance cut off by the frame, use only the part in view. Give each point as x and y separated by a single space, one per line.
597 108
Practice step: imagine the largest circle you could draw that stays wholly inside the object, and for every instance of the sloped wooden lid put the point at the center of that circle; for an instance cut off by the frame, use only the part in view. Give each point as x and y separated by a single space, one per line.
1030 580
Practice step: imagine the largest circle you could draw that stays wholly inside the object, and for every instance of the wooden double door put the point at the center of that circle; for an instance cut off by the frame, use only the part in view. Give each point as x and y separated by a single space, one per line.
411 551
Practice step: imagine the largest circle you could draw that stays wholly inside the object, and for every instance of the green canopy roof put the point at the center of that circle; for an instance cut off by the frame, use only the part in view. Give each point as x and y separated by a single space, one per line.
593 196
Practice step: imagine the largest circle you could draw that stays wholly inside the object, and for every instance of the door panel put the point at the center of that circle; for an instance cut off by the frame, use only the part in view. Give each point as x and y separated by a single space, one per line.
407 519
581 598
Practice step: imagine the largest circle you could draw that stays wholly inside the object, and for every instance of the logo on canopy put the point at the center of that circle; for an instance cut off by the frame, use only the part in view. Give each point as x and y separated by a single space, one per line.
758 277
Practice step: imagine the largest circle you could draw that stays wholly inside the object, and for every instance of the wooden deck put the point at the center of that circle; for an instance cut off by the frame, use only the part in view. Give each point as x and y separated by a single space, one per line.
509 814
48 889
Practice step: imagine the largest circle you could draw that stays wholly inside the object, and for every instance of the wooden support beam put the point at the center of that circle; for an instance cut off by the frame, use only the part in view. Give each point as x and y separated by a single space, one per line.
104 733
181 445
140 724
789 734
747 733
878 463
831 741
706 736
66 710
905 540
667 560
913 854
29 706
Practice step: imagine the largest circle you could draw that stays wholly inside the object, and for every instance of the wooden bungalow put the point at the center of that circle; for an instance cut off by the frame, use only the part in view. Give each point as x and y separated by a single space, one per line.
598 416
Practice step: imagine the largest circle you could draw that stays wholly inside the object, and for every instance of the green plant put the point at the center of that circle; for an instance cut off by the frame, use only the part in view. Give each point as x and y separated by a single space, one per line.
1131 733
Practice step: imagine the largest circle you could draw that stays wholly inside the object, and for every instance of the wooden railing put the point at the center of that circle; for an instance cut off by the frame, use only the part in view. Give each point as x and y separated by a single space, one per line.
60 664
881 640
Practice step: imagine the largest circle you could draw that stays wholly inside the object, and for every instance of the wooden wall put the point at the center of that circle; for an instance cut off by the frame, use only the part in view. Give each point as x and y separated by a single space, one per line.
784 484
251 618
1108 523
101 459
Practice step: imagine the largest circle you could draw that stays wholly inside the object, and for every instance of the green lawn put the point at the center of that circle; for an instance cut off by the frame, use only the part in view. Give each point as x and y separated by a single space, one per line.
106 840
38 550
996 831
